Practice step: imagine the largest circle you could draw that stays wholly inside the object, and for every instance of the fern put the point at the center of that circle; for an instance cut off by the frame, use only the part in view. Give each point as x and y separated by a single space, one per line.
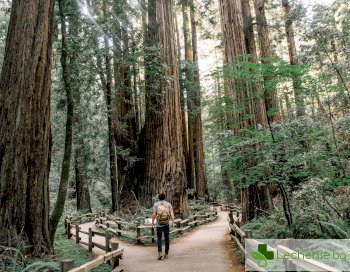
339 232
40 266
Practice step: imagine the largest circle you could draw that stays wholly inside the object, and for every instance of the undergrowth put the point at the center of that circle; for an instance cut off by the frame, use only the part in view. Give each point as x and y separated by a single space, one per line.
63 249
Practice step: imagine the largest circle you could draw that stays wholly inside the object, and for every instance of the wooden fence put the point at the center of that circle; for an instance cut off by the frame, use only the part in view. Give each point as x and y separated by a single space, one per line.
137 231
77 233
239 236
112 258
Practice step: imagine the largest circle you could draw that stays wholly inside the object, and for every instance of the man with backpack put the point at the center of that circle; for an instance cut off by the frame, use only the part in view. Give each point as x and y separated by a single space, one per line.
162 210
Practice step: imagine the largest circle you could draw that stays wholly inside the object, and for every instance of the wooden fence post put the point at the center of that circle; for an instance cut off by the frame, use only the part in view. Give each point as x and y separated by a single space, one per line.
230 215
68 230
119 228
138 234
66 265
77 234
115 261
108 239
90 240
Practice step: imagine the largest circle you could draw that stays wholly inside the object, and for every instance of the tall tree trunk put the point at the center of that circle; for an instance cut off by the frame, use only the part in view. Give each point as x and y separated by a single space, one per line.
257 90
190 164
111 118
201 181
106 82
164 159
235 45
271 100
182 83
80 159
63 187
126 125
81 183
225 175
25 127
299 101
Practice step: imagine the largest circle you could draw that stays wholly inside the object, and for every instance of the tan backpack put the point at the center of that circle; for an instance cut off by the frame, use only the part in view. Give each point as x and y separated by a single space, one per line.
163 213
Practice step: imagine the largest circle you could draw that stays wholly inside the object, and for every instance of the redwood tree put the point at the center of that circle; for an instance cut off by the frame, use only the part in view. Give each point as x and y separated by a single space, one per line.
164 159
271 99
25 126
201 181
188 86
236 42
63 187
299 102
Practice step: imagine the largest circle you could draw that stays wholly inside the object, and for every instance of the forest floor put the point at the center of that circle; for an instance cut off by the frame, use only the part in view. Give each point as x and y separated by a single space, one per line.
207 248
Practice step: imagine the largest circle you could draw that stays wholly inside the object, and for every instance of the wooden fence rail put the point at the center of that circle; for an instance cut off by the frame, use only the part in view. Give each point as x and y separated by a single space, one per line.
112 255
239 236
134 231
112 258
77 233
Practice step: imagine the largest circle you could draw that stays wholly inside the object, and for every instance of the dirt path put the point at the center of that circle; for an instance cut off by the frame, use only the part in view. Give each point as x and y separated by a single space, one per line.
207 248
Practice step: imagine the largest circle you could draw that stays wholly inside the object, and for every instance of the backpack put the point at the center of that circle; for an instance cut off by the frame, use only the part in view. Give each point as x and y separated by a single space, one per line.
163 213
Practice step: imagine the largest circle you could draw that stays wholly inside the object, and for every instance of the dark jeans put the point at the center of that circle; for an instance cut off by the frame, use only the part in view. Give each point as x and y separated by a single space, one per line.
160 230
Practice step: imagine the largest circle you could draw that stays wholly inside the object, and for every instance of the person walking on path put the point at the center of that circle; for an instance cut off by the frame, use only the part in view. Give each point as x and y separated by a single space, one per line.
162 210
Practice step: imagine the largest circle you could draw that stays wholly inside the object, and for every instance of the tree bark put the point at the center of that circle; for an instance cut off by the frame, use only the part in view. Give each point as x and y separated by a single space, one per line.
164 159
257 93
81 183
299 101
190 162
235 42
234 46
80 158
25 127
183 100
201 181
63 187
271 99
115 185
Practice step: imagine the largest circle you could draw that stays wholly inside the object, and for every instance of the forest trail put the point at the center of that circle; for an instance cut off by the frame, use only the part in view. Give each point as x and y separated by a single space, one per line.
207 248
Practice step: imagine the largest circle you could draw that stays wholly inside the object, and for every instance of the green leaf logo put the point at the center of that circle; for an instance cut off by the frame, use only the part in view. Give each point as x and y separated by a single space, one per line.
262 255
262 262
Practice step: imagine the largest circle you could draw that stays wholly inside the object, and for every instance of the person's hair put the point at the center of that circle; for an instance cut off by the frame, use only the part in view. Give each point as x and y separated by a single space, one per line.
161 196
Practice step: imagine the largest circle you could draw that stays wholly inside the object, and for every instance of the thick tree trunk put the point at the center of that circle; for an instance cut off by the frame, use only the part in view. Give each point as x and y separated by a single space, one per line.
126 97
190 162
63 187
271 99
257 94
25 127
183 101
235 43
201 181
299 101
164 159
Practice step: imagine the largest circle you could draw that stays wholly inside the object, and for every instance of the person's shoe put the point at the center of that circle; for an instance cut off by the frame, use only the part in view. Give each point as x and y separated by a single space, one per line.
166 256
160 256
